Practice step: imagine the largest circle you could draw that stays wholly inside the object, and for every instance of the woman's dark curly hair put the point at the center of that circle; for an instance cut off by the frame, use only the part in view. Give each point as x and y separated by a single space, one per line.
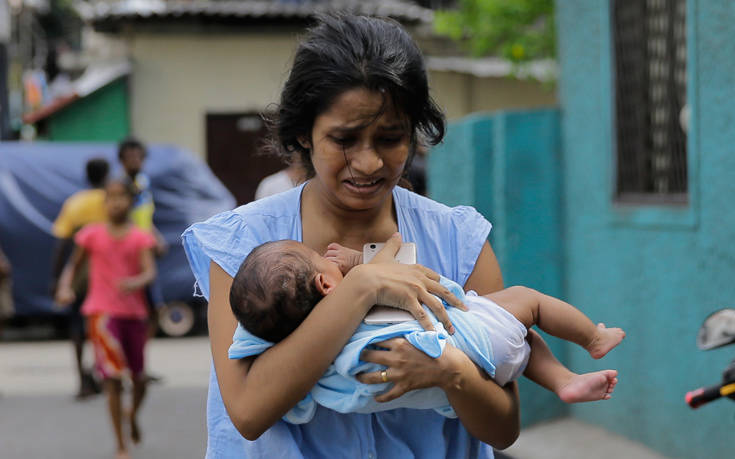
344 52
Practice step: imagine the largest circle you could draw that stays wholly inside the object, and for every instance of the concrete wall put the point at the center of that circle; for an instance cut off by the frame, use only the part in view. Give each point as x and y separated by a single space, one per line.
507 166
656 271
179 78
461 94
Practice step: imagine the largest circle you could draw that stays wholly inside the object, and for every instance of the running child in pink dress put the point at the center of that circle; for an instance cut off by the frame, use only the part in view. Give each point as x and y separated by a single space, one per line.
121 265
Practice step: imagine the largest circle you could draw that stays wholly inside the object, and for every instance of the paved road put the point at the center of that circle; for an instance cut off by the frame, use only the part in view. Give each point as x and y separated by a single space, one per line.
570 439
40 419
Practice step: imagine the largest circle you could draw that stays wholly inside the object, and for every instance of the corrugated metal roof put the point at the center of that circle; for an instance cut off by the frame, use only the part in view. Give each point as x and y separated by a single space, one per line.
401 10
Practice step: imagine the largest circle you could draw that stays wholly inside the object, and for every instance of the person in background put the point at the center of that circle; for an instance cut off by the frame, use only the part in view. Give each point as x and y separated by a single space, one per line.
121 265
282 180
132 154
81 208
354 107
416 174
6 291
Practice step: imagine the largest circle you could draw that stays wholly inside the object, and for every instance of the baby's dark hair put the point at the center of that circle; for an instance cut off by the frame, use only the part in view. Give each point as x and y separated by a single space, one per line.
274 291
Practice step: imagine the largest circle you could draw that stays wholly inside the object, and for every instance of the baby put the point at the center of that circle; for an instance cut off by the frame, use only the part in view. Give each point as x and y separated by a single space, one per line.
280 282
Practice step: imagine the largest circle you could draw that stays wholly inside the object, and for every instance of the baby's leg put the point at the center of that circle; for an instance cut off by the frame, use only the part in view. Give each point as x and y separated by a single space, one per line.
558 318
544 369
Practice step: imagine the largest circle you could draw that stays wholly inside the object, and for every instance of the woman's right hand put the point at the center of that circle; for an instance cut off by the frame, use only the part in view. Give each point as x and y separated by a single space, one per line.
408 286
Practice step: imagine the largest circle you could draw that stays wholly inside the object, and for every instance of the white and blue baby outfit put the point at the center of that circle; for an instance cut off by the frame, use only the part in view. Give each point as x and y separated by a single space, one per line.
481 331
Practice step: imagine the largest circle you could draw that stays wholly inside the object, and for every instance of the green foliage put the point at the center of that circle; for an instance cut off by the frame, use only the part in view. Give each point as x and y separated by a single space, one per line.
518 30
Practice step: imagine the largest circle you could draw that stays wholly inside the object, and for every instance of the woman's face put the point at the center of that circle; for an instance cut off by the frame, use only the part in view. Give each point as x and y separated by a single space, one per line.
359 147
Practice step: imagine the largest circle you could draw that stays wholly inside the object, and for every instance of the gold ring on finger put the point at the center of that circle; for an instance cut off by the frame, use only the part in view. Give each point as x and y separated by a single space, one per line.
384 375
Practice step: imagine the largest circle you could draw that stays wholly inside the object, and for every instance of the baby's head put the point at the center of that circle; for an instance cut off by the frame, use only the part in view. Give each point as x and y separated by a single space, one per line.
277 286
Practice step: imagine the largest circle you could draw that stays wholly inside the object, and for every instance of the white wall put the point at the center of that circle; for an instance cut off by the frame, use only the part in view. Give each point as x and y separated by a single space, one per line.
178 79
460 94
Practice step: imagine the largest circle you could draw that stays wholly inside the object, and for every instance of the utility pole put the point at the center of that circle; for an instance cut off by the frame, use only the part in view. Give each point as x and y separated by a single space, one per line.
4 41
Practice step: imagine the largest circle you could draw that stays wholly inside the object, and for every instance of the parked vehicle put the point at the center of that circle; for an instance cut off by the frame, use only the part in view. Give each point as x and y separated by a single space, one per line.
717 330
36 178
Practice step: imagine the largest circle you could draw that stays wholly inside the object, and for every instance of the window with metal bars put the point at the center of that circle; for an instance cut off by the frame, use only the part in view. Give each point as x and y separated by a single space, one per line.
650 100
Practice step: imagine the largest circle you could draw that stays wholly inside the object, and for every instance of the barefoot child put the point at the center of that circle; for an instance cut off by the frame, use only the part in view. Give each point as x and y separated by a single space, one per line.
121 265
280 282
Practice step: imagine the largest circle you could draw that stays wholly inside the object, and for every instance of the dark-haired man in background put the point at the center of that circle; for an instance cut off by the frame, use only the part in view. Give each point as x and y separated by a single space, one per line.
132 153
81 208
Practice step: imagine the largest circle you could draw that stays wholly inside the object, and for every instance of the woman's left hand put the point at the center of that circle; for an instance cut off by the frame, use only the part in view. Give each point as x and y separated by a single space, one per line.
409 369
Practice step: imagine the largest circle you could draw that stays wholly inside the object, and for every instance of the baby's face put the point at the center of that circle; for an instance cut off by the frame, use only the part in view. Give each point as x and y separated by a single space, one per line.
326 267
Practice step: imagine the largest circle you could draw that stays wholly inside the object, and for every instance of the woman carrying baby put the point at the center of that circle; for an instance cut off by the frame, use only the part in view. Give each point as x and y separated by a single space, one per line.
354 110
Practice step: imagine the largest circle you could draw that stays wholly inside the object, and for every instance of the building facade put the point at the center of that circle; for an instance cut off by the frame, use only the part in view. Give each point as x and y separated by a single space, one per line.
638 196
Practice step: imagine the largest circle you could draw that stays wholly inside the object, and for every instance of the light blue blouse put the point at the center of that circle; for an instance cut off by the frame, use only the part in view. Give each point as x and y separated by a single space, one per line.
448 241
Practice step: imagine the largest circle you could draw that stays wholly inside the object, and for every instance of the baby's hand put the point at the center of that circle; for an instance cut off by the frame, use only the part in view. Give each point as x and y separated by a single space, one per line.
345 258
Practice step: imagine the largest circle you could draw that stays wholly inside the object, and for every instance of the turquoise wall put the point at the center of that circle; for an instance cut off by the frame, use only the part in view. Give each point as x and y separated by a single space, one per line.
507 166
656 271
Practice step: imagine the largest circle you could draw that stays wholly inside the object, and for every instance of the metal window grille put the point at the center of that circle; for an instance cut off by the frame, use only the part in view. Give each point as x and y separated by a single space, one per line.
650 83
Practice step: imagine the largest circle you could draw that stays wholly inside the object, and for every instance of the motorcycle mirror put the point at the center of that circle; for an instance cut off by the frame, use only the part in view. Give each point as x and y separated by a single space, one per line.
717 330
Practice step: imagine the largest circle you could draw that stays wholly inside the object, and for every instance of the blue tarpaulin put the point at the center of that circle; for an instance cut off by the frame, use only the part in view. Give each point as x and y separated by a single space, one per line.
36 178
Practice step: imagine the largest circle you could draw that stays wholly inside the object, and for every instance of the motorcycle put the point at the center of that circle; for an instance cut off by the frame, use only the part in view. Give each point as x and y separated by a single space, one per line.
718 330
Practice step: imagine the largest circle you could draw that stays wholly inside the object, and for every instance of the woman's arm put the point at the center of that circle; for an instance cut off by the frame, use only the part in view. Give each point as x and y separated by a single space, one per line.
257 392
489 412
486 276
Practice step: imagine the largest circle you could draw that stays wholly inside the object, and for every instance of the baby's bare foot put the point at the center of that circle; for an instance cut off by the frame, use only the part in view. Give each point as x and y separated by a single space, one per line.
605 339
122 454
589 387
